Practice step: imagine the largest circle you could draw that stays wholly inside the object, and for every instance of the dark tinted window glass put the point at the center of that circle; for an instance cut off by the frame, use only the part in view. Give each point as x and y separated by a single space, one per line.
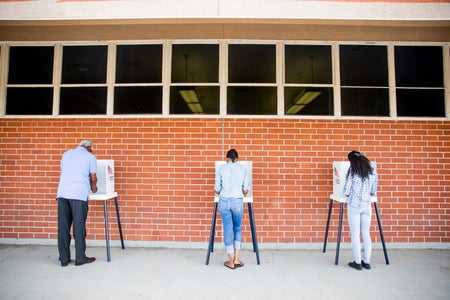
420 102
30 65
365 102
251 64
195 63
194 100
308 101
252 100
84 64
139 64
79 101
308 64
363 65
29 101
138 100
418 66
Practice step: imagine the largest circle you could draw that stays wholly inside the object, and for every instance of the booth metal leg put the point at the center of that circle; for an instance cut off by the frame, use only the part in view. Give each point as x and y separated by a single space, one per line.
253 229
108 253
212 234
341 209
328 226
381 233
118 222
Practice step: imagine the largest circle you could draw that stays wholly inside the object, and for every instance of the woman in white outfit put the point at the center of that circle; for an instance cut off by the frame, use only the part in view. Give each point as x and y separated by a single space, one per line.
361 183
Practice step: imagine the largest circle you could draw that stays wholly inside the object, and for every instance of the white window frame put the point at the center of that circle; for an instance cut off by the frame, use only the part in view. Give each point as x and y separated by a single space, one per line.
223 77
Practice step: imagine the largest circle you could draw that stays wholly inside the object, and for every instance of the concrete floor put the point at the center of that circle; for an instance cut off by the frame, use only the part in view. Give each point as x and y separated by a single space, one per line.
33 272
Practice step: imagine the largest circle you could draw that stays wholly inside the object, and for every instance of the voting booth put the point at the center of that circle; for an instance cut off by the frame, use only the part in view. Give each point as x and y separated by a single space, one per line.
105 177
106 191
340 169
248 199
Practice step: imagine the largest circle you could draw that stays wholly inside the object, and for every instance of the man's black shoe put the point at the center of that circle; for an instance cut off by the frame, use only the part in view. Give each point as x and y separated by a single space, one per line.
65 263
354 265
365 266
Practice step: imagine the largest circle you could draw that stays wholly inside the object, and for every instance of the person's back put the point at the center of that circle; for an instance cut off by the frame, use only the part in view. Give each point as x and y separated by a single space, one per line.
76 165
233 180
360 189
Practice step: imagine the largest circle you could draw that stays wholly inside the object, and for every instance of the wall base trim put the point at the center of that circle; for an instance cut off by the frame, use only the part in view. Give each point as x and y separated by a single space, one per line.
219 245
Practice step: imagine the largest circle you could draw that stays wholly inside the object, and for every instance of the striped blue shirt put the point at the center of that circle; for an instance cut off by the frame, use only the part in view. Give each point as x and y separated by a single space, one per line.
231 180
359 191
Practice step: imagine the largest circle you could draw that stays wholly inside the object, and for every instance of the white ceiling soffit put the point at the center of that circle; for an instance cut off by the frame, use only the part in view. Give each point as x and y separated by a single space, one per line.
286 9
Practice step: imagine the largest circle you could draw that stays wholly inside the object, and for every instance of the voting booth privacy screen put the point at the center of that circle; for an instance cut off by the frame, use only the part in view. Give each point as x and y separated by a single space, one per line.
248 166
105 177
340 169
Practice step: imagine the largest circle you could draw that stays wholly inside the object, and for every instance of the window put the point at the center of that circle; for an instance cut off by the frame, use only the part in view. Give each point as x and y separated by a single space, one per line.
419 81
83 81
29 101
30 77
225 78
86 100
138 88
195 79
364 80
308 80
251 80
248 100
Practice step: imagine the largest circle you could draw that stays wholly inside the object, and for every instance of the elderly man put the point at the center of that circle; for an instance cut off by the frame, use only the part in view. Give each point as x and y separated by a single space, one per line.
78 176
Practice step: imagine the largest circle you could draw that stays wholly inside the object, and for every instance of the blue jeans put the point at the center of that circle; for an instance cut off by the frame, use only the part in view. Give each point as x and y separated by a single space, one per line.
359 222
231 210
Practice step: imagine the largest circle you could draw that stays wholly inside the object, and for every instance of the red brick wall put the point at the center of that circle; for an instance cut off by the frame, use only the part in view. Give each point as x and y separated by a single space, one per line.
164 173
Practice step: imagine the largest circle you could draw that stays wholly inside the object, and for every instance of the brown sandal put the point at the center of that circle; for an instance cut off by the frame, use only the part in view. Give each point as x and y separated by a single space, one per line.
226 264
238 265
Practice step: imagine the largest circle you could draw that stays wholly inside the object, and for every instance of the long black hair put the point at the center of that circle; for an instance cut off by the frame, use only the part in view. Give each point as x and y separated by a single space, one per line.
359 165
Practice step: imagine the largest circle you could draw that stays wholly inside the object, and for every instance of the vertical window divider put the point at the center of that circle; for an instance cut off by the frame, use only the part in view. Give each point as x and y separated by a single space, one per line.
4 54
391 78
336 79
223 78
110 78
166 74
57 74
446 63
279 56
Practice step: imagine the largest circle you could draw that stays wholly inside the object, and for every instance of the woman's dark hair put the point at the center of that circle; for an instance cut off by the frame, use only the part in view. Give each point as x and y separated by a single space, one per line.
359 165
232 154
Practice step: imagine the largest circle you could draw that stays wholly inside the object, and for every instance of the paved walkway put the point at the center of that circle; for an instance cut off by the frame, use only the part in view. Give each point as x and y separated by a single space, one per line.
33 272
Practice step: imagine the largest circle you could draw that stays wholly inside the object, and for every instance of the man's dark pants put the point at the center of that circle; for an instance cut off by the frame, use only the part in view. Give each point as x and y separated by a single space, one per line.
72 212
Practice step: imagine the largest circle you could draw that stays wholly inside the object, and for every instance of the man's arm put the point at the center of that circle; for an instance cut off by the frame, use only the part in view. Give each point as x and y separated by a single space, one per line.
93 181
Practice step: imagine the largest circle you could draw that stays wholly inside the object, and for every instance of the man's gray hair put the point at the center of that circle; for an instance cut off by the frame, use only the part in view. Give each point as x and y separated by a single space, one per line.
86 143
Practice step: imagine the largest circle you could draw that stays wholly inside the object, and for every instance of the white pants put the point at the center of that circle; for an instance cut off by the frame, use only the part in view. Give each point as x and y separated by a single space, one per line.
359 222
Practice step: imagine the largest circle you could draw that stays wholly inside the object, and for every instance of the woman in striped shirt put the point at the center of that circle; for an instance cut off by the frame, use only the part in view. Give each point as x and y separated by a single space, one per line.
360 184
